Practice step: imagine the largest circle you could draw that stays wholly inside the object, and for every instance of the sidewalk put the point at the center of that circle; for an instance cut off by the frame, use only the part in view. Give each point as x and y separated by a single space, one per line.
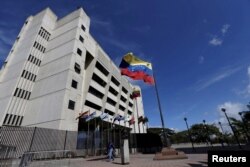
142 160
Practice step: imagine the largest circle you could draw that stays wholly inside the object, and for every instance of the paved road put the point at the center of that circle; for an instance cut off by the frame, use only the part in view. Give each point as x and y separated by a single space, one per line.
140 160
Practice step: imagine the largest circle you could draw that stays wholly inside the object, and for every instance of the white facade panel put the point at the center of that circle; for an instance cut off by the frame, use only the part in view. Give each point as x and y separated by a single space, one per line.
63 77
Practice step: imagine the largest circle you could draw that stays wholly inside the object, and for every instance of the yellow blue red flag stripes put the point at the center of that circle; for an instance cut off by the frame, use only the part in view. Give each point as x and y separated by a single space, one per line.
136 68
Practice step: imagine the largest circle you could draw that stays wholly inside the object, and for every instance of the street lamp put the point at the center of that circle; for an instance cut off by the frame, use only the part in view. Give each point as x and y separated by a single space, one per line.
207 134
185 119
235 136
245 128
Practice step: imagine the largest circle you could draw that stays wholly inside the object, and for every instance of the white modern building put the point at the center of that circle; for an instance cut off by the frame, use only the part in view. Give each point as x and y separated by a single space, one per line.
56 70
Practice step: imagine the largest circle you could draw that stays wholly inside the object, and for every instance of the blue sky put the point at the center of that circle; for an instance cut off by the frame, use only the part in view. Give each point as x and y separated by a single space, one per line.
199 49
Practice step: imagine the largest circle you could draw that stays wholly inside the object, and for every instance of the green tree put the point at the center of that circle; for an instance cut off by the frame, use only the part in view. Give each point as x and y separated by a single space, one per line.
203 133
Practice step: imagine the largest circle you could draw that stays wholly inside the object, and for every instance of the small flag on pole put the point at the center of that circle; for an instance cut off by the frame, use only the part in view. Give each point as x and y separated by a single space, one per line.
103 116
91 116
136 93
83 115
132 120
140 119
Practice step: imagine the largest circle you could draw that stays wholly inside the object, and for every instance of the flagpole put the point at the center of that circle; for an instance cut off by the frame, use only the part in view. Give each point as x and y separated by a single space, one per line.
137 114
166 143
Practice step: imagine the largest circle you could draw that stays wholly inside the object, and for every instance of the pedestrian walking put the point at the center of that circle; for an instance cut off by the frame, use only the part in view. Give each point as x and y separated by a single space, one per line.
111 149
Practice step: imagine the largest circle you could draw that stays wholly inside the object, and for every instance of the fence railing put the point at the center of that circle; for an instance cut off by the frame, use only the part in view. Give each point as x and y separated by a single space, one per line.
15 141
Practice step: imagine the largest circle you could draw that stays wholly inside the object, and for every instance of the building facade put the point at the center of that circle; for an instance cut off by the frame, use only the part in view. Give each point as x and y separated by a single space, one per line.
56 70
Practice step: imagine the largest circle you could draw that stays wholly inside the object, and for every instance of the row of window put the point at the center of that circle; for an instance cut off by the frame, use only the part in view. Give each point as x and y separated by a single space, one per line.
101 68
39 47
28 75
24 94
44 34
14 120
99 80
34 60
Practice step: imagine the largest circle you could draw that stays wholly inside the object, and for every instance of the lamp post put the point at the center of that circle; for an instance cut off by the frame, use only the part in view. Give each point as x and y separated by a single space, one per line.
207 134
223 134
234 133
245 128
189 134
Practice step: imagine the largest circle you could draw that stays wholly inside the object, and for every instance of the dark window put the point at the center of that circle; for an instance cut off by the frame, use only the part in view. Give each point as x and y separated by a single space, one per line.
121 108
22 94
92 105
123 99
113 91
26 22
23 73
12 123
110 101
26 74
124 90
101 68
130 104
109 112
131 96
32 59
5 119
77 68
83 28
29 76
99 80
20 90
17 120
81 39
71 105
39 63
28 95
95 92
34 78
129 112
16 91
74 84
79 51
29 57
9 119
115 81
21 120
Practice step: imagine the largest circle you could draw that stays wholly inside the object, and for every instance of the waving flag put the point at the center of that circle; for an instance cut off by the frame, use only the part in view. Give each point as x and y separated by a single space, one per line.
140 119
103 116
136 93
91 116
132 120
83 115
136 68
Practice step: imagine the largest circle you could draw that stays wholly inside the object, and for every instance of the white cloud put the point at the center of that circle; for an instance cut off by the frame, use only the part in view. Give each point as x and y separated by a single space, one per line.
225 28
216 41
202 84
232 110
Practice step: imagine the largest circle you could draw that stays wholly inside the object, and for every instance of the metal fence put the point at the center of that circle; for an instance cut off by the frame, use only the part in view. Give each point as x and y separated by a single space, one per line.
18 141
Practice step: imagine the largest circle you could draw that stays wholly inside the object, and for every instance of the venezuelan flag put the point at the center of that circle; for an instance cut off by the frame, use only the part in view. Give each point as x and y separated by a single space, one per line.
136 68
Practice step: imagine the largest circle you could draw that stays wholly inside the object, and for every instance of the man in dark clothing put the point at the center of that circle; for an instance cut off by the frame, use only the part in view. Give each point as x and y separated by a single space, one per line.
110 151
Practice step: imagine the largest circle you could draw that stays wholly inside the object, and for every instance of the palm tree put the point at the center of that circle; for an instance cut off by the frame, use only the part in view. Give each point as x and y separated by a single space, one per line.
239 128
